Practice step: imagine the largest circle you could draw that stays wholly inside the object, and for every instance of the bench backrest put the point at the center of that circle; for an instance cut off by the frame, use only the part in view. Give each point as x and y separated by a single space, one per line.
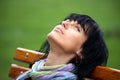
30 56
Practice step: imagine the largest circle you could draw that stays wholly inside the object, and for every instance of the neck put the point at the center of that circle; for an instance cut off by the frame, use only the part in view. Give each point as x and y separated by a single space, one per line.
58 57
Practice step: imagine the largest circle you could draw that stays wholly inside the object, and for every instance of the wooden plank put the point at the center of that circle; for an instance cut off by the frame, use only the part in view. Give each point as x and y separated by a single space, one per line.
100 72
105 73
16 70
28 56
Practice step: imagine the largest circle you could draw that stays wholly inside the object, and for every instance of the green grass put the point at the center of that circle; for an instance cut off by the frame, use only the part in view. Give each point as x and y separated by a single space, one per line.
25 23
114 50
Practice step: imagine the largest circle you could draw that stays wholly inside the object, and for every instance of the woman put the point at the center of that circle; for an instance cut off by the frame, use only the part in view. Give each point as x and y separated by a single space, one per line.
72 50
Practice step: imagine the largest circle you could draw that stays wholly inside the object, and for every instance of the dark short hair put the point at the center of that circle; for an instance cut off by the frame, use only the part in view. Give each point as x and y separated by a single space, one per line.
94 50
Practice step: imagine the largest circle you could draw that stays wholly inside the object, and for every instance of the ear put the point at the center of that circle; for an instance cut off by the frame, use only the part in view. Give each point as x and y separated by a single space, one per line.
78 52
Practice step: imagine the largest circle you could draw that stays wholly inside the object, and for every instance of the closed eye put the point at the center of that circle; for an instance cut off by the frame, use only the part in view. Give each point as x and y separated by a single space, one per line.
77 28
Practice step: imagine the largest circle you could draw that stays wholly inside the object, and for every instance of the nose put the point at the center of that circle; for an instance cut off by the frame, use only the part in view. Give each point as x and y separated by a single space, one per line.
65 24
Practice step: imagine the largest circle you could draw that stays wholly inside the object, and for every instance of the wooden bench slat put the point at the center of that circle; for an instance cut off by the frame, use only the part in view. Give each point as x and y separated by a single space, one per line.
28 56
105 73
100 72
16 70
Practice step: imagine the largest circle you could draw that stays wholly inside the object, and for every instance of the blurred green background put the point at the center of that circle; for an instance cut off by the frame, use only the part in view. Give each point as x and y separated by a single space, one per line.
25 23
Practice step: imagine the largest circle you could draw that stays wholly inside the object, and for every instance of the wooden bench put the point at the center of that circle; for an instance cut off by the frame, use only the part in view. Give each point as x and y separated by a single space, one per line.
30 56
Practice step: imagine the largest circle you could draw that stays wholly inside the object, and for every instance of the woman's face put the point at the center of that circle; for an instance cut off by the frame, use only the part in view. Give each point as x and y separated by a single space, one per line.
69 35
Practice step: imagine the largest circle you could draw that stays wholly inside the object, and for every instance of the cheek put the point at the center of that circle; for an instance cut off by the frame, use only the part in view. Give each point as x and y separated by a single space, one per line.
72 42
75 40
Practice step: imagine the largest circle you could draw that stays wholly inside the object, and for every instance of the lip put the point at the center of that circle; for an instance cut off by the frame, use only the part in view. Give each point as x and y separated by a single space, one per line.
59 30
